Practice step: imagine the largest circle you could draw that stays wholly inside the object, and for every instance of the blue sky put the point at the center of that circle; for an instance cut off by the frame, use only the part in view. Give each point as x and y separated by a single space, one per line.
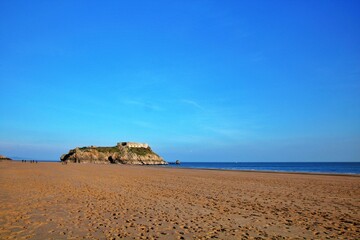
197 80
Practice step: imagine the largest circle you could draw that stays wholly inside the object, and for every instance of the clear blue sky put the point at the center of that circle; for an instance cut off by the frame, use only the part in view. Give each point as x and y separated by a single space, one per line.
197 80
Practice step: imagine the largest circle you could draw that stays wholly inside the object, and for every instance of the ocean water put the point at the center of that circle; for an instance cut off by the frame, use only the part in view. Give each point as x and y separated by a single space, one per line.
306 167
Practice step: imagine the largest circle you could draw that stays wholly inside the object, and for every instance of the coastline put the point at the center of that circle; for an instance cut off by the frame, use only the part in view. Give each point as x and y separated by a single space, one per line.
174 166
55 201
266 171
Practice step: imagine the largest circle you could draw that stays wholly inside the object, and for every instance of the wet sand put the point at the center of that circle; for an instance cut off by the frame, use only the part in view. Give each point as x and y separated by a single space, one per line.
74 201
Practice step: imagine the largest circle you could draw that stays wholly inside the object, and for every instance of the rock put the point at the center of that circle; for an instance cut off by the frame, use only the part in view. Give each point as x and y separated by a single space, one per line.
3 158
122 153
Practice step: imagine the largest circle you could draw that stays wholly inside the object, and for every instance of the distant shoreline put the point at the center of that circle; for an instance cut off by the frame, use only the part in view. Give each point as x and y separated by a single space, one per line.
265 171
173 166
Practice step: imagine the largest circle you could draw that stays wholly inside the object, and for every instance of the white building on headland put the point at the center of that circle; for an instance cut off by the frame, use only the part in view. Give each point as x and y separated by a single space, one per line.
133 144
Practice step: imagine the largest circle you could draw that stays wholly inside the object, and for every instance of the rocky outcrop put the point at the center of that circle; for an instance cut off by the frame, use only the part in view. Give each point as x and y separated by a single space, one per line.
120 154
3 158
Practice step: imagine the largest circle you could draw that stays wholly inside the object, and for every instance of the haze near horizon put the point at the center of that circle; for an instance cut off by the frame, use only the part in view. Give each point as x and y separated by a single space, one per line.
197 80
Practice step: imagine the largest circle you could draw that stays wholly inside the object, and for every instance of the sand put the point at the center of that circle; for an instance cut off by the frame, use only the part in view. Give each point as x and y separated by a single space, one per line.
74 201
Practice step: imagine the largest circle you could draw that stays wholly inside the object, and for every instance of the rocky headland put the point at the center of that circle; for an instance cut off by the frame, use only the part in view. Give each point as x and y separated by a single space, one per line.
122 153
3 158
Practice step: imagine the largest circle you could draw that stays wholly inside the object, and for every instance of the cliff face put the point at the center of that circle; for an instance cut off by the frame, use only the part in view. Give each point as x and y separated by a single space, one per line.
120 154
3 158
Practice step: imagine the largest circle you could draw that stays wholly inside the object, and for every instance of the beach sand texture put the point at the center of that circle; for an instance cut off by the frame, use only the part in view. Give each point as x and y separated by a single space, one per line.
54 201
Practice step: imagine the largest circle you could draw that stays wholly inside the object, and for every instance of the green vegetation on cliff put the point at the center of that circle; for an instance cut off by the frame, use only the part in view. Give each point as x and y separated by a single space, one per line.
101 149
115 149
141 151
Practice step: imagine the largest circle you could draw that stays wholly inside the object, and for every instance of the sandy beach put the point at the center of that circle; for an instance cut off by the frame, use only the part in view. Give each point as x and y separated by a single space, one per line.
74 201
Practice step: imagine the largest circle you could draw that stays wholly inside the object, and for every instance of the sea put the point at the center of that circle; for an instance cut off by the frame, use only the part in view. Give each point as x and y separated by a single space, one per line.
300 167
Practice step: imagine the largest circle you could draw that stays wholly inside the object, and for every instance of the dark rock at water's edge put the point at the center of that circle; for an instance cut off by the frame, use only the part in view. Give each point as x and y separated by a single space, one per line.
122 153
177 162
3 158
